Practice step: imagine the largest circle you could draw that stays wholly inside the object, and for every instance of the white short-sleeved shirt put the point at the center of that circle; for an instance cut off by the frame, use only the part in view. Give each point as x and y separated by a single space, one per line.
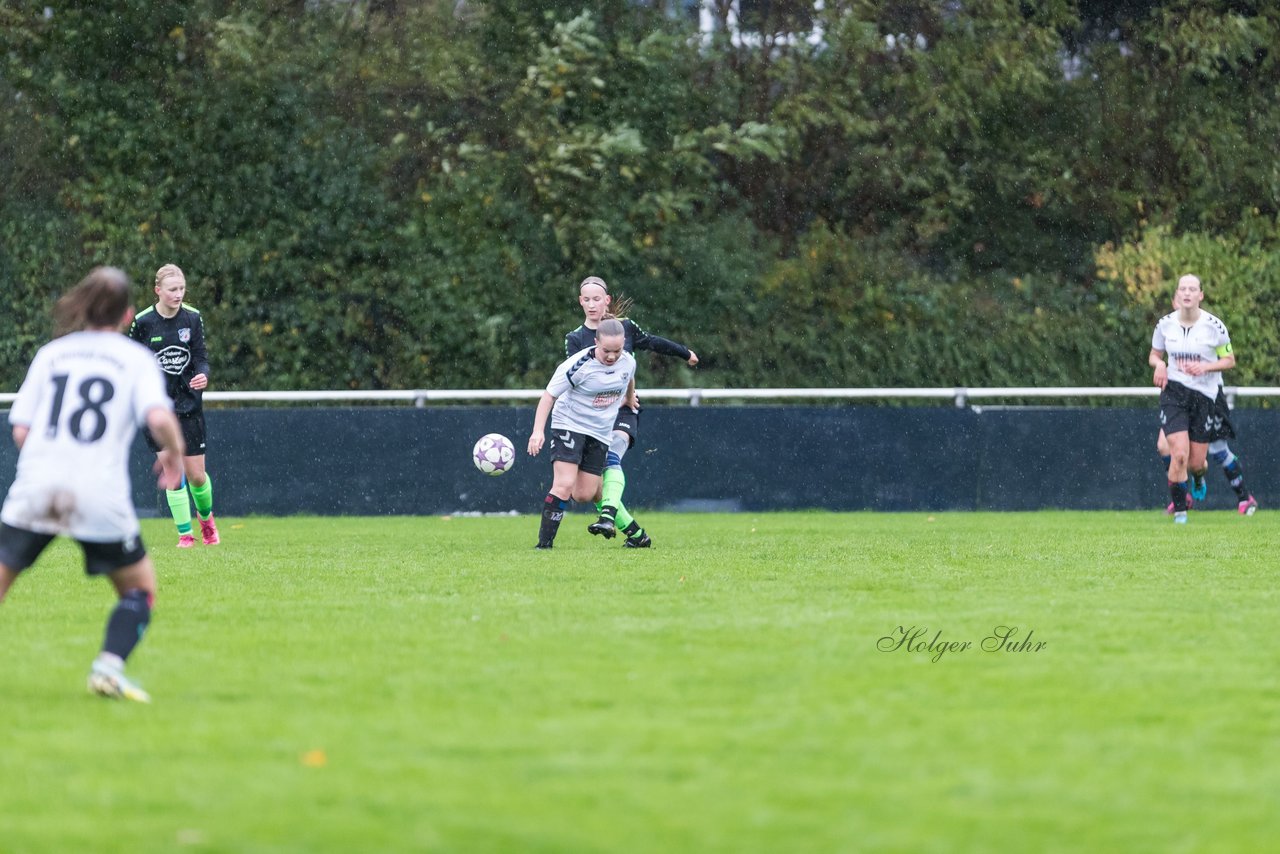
1205 341
589 393
84 397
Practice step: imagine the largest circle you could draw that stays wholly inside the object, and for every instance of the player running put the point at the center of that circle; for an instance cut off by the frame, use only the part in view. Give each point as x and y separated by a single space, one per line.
84 396
596 302
175 333
1198 349
1220 430
583 399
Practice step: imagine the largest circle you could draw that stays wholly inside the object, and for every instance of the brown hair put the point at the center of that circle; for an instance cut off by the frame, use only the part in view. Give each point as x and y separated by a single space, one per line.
609 327
98 302
618 308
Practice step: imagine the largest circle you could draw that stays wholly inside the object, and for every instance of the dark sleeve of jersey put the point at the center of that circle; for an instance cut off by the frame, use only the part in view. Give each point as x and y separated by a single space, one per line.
644 341
579 339
199 358
137 333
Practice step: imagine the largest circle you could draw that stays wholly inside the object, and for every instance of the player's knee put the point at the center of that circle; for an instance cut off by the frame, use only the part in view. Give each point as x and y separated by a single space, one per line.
140 598
619 443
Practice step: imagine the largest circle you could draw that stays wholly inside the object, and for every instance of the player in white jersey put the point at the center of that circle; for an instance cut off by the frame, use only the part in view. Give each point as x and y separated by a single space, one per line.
1198 350
1221 430
85 395
582 400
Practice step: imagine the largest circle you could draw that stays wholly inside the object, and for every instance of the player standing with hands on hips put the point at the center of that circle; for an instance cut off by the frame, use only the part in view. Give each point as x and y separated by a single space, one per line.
175 333
582 399
597 305
1199 350
84 396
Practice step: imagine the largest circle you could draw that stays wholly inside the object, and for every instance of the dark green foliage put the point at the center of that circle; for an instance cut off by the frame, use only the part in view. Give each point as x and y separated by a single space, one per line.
390 195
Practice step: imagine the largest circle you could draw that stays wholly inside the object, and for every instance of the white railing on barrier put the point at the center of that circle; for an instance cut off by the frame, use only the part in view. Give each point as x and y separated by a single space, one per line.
961 395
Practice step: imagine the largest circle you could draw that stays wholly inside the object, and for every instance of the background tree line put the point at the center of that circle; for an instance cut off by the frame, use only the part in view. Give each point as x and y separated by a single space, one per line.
383 194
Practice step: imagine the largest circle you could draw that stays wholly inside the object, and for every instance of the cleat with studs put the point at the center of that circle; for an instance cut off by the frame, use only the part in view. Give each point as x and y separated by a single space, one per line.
640 542
603 527
110 682
209 530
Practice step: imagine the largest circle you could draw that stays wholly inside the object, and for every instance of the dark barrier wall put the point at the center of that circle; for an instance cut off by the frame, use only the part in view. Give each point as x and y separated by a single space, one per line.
367 461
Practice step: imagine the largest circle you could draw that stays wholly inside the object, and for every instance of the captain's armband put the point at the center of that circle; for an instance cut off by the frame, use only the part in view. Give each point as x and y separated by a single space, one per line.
1224 351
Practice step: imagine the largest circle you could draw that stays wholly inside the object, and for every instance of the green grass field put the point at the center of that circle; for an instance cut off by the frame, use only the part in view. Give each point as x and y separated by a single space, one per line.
428 684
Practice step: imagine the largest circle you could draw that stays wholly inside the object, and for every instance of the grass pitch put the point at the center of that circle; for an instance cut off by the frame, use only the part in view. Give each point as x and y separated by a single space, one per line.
435 684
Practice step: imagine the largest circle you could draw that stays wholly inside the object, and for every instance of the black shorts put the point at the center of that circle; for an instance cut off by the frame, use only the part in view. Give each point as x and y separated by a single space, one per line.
628 422
192 427
19 548
1183 410
586 452
1220 427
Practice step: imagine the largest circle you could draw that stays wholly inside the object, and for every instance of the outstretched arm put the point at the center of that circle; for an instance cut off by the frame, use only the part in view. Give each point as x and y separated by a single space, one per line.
662 346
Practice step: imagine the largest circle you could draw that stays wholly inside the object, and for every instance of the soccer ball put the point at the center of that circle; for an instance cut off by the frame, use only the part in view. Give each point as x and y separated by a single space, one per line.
494 454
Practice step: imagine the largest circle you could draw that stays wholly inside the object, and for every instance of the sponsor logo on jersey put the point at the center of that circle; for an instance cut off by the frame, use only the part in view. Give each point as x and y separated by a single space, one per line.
173 359
184 335
605 399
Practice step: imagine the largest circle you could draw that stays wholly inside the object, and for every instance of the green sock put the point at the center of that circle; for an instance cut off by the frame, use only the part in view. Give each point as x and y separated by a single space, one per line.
611 487
623 519
180 507
204 497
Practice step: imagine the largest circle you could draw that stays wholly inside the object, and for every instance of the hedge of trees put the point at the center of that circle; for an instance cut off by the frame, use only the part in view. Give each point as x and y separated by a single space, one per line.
381 194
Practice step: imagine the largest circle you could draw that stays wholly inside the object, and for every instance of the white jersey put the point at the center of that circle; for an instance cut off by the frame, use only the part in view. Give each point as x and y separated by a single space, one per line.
1205 341
85 396
589 393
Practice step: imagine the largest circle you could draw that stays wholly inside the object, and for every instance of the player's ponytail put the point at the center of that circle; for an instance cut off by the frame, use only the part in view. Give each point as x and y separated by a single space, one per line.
99 301
619 308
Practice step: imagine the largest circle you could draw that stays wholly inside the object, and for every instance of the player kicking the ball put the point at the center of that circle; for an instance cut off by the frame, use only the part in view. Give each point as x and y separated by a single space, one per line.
597 304
85 395
582 399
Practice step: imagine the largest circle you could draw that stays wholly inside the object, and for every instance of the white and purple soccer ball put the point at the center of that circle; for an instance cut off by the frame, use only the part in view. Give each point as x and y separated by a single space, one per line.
494 454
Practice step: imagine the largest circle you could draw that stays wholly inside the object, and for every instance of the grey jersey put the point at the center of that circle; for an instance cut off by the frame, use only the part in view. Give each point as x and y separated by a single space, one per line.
589 393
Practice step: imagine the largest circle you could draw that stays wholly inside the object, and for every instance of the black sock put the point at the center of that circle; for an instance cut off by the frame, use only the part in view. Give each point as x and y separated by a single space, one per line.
633 530
1235 477
127 623
552 513
1178 492
1197 477
609 512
